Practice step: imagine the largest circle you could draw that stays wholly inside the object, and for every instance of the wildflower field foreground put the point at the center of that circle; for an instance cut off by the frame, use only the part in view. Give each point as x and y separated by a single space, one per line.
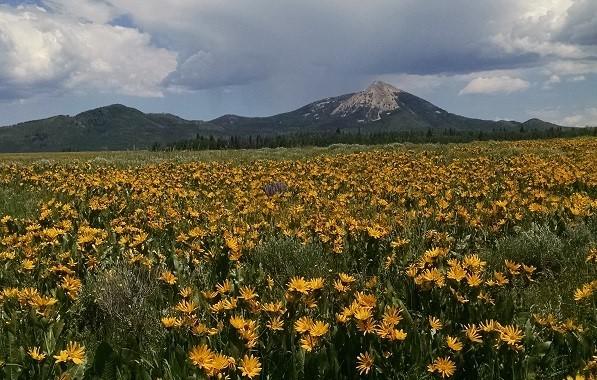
470 261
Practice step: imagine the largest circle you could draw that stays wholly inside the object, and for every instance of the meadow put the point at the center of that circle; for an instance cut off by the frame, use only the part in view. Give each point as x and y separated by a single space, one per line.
460 261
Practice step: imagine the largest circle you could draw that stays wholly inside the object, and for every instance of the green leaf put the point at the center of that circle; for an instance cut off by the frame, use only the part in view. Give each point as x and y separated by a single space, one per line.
102 358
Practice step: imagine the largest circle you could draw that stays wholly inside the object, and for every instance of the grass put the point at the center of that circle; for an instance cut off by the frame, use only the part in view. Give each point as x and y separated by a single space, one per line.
20 203
144 157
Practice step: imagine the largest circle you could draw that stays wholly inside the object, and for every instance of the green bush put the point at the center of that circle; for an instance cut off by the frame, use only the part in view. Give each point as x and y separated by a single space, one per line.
539 245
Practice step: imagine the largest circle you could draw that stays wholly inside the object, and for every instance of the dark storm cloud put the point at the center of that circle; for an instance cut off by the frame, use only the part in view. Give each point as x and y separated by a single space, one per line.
209 69
10 91
234 43
581 23
343 38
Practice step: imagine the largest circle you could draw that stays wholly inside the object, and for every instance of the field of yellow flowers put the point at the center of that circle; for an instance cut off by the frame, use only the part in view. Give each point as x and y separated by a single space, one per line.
469 261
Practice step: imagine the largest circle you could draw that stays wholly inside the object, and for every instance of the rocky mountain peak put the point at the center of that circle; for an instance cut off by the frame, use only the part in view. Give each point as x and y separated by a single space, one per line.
371 103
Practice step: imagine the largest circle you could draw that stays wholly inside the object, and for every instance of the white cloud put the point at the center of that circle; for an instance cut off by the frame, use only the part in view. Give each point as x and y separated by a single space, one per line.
587 117
553 79
551 30
569 71
513 44
44 51
580 117
494 85
575 68
96 11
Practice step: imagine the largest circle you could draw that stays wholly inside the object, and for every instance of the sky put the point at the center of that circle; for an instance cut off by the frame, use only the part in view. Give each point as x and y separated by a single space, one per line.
200 59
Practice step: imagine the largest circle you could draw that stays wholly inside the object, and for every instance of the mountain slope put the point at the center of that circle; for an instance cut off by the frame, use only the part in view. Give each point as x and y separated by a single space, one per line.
380 107
114 127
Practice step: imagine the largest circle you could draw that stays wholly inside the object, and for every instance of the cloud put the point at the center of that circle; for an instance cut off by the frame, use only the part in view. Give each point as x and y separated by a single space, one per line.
513 45
418 83
98 11
580 117
553 79
240 42
207 69
580 26
587 117
572 67
494 85
42 51
543 30
568 70
274 41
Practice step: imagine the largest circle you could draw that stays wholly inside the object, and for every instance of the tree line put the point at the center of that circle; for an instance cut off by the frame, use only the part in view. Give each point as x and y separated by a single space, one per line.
449 135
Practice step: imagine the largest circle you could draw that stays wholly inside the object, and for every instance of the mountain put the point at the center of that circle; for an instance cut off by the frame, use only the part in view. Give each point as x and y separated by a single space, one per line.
380 107
114 127
370 104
